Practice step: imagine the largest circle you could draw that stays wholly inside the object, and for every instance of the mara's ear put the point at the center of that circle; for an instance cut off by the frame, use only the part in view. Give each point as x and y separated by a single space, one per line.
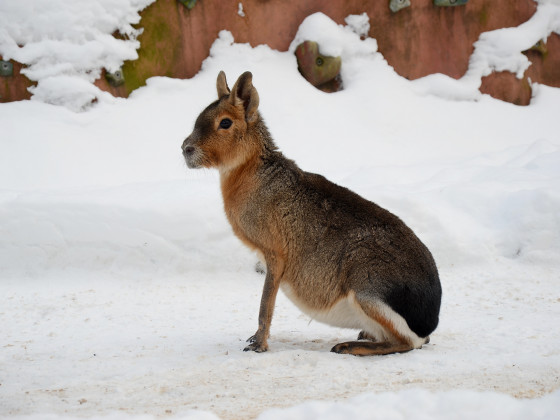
221 85
244 92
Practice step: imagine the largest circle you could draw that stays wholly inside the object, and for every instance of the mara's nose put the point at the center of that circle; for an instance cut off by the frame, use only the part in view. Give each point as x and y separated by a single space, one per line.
189 150
186 148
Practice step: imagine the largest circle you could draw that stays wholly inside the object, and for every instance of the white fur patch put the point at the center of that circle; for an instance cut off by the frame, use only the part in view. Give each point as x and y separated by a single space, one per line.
347 313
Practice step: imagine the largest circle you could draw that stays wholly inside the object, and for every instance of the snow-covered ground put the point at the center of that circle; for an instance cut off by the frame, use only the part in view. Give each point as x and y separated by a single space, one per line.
125 295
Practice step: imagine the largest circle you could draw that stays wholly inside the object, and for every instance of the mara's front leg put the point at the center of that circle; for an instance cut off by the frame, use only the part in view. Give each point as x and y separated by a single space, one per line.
268 300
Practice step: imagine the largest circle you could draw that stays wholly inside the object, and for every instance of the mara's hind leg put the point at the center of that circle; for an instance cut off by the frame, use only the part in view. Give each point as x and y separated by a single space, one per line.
384 331
363 335
369 348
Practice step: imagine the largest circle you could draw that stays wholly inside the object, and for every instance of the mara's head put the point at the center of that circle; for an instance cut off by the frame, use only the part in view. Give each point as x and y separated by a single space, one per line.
222 135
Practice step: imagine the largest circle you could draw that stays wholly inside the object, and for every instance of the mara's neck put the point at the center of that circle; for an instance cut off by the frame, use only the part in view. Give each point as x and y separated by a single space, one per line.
239 175
240 181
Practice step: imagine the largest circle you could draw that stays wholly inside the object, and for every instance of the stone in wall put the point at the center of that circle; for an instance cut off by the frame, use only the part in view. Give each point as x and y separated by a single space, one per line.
14 87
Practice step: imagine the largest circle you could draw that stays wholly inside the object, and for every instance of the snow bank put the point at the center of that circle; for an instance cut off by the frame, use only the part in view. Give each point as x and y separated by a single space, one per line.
191 415
496 51
420 404
337 40
66 44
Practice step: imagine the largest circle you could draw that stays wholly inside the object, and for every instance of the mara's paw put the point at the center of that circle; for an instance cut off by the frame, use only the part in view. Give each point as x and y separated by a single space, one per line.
342 348
256 345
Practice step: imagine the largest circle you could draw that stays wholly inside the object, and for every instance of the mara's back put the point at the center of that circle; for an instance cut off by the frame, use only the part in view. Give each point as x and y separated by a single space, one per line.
334 241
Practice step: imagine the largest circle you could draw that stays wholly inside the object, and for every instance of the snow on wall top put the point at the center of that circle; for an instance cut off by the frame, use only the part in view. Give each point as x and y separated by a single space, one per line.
499 50
66 43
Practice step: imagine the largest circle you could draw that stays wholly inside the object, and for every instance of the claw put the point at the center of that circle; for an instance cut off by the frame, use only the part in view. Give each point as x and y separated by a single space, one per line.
258 342
257 348
365 336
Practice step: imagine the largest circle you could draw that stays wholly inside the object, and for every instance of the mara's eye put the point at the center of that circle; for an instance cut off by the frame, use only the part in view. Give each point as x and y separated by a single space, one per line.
226 123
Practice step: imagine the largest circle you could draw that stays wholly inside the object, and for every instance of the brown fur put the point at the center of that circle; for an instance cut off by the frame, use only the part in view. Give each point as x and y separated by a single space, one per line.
342 259
368 348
